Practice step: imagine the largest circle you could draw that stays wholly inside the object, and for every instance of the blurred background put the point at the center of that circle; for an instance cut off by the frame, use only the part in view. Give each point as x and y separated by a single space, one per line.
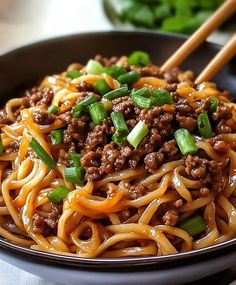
27 21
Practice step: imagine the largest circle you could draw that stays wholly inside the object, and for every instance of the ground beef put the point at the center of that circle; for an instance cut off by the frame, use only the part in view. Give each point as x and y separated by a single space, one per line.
4 119
42 117
182 106
38 96
153 160
171 76
150 70
47 225
76 129
137 191
222 112
221 147
195 167
106 61
188 123
170 218
203 105
84 87
123 105
223 128
99 135
12 147
208 171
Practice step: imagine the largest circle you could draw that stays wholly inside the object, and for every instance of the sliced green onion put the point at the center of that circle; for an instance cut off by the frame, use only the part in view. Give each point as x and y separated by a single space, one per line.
101 87
119 138
214 104
56 136
58 194
74 174
129 78
53 109
138 58
145 92
185 142
141 102
97 112
94 67
119 123
194 226
73 74
161 97
137 134
83 105
74 158
116 93
204 125
42 154
115 70
107 104
1 146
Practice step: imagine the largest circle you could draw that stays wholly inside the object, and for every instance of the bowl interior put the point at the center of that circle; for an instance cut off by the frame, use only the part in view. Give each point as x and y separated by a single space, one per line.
23 68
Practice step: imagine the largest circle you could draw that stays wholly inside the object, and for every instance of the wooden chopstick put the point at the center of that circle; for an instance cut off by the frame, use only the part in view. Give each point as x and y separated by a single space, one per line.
222 57
201 34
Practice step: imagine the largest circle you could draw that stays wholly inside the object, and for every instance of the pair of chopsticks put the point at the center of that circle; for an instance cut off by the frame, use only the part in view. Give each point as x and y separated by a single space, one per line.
224 55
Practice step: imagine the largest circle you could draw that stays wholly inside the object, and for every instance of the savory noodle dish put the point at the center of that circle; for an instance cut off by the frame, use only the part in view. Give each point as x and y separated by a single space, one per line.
118 159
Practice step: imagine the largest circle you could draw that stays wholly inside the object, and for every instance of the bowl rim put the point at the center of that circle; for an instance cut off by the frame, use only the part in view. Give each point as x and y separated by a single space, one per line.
110 262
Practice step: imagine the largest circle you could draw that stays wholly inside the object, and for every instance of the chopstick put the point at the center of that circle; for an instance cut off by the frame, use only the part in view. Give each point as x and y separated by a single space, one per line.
201 34
222 57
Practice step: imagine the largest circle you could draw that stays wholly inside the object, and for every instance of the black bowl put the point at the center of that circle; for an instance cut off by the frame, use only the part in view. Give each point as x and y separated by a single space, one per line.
24 67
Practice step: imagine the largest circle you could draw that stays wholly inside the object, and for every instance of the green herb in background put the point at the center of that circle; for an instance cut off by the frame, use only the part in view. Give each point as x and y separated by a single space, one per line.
179 16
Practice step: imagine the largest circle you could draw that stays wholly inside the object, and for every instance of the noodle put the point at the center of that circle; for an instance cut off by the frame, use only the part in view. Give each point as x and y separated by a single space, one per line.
128 200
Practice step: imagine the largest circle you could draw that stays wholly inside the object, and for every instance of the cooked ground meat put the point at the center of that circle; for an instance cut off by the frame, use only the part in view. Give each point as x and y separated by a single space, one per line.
98 135
4 119
170 218
137 191
42 117
106 61
209 171
124 105
46 225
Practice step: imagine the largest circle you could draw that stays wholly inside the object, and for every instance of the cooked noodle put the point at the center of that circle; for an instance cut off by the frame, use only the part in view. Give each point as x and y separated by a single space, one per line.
135 210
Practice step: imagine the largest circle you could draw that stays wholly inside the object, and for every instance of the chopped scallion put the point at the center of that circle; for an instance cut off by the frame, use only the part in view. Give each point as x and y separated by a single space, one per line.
194 226
107 104
204 125
129 78
57 195
56 136
145 92
42 154
119 138
161 97
97 112
101 87
94 67
53 109
119 123
83 105
141 102
185 142
74 158
137 134
1 146
73 74
115 70
138 58
74 174
214 104
116 93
